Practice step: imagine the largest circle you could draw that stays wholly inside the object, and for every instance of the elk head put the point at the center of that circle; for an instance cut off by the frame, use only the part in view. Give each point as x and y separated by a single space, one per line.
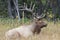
39 23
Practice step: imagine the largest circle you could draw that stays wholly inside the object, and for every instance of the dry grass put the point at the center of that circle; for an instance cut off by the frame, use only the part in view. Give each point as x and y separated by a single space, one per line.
51 32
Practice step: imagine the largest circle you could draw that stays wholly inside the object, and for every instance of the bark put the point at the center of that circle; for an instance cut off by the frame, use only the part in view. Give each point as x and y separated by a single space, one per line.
54 9
9 10
58 1
40 7
17 9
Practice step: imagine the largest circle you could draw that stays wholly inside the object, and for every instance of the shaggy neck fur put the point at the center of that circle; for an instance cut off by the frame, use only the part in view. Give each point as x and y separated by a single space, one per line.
34 28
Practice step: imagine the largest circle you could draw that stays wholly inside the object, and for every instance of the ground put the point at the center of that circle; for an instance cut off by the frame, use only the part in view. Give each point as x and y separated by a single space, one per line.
51 32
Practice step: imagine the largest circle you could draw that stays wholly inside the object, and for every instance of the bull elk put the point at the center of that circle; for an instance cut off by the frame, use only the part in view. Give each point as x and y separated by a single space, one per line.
26 30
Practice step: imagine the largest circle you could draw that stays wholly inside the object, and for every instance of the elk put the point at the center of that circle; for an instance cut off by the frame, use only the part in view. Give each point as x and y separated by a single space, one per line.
26 30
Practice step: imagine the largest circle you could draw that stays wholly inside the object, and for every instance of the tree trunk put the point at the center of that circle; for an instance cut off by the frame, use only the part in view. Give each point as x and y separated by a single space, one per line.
40 7
58 1
17 9
9 10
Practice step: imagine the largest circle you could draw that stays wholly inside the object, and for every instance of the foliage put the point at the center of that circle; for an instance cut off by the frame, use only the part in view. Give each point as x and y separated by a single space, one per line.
4 10
52 31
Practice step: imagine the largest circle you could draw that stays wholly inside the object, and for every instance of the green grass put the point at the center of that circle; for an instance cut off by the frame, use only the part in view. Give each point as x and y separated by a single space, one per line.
51 32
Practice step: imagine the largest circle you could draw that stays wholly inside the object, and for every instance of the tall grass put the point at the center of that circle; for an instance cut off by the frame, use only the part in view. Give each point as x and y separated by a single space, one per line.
51 32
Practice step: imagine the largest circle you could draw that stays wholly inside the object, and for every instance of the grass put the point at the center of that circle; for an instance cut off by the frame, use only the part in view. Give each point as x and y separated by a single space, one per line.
51 32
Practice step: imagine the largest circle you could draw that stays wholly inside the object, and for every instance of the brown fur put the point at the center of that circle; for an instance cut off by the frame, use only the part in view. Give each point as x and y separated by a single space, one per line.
39 24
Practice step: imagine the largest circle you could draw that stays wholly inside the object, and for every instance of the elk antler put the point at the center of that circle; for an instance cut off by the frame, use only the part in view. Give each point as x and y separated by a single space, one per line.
30 9
41 16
